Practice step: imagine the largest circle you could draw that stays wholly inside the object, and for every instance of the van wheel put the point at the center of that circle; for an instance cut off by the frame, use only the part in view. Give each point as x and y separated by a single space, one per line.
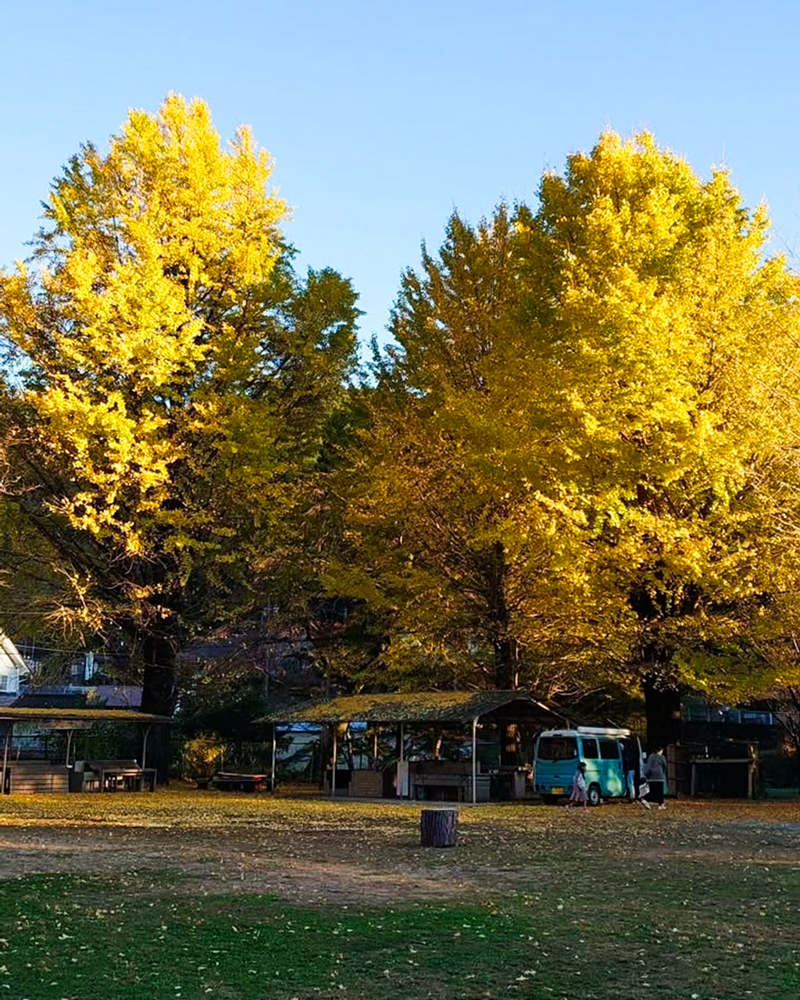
594 795
550 800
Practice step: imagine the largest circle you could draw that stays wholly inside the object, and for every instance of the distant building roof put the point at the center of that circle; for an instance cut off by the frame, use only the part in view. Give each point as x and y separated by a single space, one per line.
71 696
48 698
116 695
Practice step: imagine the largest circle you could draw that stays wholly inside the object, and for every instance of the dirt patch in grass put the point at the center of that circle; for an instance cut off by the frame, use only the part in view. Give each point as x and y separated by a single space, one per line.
202 895
241 862
346 853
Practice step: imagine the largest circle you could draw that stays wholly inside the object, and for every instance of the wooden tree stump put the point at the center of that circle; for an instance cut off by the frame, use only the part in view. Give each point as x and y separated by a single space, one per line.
439 827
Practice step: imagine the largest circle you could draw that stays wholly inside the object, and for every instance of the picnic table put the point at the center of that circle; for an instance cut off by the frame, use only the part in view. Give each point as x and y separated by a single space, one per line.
120 775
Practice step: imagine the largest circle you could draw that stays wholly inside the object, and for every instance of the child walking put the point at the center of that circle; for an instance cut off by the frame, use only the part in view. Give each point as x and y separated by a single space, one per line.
579 795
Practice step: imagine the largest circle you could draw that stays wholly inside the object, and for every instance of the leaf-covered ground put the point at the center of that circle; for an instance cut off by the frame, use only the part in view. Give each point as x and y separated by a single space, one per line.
201 894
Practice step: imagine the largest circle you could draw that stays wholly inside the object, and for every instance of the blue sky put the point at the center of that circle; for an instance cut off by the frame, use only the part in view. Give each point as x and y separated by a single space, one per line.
383 117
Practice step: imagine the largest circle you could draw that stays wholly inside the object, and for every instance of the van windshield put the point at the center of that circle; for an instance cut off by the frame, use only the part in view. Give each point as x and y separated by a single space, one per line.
557 748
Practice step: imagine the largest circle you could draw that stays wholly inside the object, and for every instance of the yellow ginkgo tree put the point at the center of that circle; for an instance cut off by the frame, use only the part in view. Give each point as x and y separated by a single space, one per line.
660 418
583 443
167 386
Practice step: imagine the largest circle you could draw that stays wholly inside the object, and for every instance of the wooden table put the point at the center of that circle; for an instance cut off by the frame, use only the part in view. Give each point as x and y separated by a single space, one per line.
440 784
129 778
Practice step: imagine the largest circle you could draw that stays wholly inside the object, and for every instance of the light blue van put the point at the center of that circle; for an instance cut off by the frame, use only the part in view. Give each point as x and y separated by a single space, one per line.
558 752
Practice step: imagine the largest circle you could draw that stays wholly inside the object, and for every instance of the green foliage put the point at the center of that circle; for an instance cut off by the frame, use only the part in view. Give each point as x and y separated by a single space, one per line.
221 700
200 756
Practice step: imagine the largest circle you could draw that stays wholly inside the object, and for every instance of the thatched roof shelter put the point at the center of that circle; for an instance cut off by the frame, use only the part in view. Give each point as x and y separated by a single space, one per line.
52 717
421 707
69 719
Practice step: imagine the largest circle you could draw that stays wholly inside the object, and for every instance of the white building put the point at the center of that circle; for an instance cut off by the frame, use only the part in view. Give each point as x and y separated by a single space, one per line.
12 666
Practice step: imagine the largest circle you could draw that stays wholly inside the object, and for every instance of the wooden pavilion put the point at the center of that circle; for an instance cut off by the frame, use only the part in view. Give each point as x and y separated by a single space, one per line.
49 775
437 708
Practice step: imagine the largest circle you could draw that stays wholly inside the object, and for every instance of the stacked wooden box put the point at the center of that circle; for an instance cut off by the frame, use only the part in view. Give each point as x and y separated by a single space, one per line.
34 777
366 784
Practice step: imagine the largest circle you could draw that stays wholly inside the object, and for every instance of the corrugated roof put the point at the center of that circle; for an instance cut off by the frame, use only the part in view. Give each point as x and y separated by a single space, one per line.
428 706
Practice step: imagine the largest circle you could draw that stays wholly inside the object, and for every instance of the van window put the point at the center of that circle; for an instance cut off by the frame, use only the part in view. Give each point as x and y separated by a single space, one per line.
609 750
589 748
557 748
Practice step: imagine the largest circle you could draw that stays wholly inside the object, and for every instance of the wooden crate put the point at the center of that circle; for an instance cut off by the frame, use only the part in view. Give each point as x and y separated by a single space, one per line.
35 777
366 784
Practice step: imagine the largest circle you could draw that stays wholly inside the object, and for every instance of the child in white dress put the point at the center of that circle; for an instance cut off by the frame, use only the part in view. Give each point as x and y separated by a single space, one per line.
579 795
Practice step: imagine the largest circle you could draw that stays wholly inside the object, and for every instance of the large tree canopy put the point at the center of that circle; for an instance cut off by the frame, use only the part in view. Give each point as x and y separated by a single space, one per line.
666 360
432 542
168 384
605 390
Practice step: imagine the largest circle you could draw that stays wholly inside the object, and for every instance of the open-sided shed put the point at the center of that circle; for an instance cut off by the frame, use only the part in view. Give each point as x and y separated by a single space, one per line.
467 708
70 720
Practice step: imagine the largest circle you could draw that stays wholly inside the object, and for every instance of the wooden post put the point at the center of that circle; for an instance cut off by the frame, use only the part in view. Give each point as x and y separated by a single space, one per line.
401 764
475 760
439 827
6 745
69 745
274 752
144 747
335 758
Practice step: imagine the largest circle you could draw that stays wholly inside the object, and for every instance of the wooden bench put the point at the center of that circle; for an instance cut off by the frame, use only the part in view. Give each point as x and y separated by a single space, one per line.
228 781
119 775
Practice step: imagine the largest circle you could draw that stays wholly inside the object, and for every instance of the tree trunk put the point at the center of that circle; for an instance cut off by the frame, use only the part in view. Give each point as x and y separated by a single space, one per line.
325 751
506 664
662 704
506 647
507 677
159 697
439 827
510 745
797 764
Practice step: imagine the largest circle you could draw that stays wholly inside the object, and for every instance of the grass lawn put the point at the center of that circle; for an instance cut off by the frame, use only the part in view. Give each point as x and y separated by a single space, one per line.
202 894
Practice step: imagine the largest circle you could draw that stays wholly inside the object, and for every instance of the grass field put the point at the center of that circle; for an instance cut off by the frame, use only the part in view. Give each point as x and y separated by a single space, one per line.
201 894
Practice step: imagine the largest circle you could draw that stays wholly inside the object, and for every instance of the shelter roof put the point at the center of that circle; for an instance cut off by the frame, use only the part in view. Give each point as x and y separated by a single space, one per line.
53 698
427 706
79 715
